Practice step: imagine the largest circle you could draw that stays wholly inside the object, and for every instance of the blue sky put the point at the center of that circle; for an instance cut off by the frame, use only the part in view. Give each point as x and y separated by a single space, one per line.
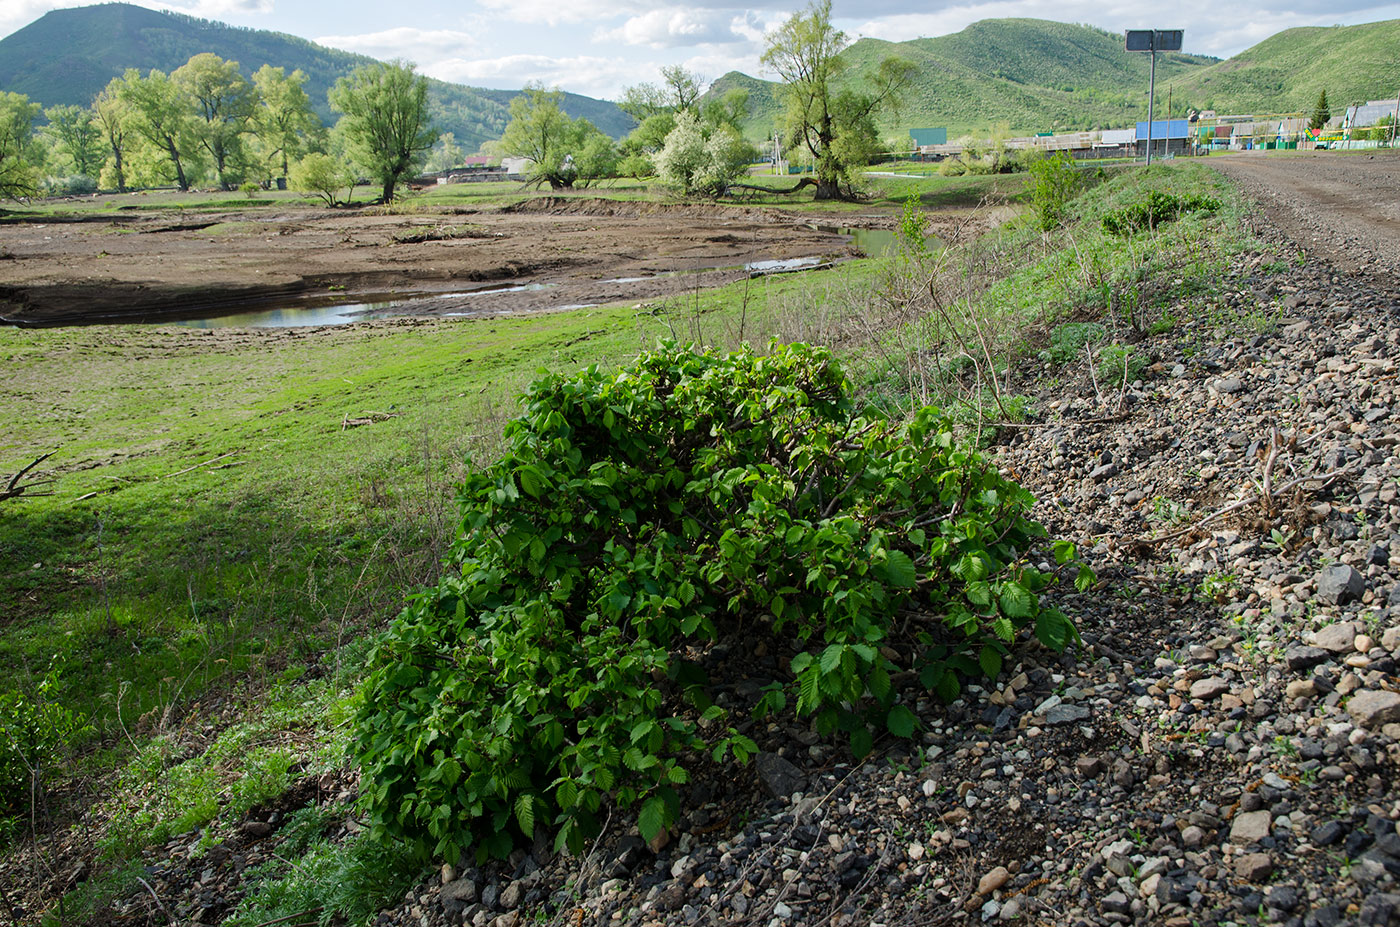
598 47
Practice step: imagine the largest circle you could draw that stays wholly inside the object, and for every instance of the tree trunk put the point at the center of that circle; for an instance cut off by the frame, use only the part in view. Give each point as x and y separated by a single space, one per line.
117 166
179 168
388 195
828 190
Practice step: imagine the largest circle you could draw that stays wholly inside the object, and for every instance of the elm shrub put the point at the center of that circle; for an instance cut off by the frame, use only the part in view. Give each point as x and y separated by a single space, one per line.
687 499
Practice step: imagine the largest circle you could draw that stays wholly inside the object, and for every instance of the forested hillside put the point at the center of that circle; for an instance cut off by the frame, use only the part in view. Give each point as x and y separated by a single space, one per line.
67 56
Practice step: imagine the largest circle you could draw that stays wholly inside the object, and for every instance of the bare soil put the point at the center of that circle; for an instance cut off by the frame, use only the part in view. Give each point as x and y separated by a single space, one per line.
113 266
1344 207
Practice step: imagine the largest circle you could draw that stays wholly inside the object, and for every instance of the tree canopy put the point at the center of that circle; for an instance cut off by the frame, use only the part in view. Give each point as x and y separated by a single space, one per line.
561 150
836 125
385 121
17 175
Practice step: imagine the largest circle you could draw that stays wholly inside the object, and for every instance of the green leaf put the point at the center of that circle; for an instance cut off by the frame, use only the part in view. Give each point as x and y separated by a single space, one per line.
525 813
1085 579
990 660
652 818
898 570
1016 600
531 482
831 658
901 721
566 794
861 742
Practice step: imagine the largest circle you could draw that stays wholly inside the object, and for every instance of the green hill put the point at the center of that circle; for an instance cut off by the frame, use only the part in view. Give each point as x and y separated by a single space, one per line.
67 56
1286 72
1036 75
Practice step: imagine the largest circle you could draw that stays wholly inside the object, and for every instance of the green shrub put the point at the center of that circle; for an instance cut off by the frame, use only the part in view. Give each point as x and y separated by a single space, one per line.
640 516
250 188
1068 339
35 733
1159 207
1118 364
1054 182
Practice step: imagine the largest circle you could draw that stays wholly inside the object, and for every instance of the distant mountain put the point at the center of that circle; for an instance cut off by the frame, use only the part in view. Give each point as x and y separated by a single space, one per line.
1036 75
1286 72
67 56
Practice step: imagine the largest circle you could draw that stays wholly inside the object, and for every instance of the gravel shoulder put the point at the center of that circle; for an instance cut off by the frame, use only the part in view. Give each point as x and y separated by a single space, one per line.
1344 207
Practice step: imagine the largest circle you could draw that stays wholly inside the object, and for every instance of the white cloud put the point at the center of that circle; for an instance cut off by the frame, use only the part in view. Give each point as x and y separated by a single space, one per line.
420 45
671 28
592 76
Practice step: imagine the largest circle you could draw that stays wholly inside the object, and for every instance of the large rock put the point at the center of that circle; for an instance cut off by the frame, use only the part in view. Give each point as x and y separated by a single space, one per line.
1304 658
778 777
1340 584
1250 827
1336 638
456 895
1254 867
1209 687
1372 708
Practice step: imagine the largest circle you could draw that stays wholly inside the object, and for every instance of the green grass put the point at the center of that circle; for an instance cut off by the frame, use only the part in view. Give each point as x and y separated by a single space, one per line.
215 529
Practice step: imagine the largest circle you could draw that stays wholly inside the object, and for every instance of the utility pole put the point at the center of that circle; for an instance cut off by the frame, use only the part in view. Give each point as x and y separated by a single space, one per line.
1151 99
1395 119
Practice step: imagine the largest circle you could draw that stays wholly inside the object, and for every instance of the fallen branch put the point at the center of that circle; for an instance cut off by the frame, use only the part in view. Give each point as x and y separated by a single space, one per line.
14 489
197 466
367 418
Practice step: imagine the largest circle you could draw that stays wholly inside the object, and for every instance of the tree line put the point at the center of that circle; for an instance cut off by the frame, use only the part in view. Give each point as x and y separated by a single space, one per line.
206 122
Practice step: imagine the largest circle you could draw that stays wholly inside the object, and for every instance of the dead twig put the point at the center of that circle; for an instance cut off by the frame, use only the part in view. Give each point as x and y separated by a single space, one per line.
1324 480
14 489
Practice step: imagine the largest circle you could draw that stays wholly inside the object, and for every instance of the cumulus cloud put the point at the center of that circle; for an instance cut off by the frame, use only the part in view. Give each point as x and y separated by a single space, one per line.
592 76
673 27
414 44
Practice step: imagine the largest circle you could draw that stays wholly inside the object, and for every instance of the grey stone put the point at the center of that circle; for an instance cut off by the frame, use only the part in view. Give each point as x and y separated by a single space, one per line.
1390 638
1228 385
1089 767
1250 827
1337 637
1372 708
1066 714
1103 472
1301 658
778 777
456 895
1115 903
1254 867
1339 585
1326 834
1209 687
511 895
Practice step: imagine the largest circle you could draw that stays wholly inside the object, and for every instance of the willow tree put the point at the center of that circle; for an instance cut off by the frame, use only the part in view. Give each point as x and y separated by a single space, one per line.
223 101
110 115
18 178
385 121
283 117
160 114
834 123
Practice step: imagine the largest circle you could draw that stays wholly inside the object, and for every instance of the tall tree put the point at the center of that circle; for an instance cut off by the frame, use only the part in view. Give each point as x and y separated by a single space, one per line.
110 115
283 119
76 133
1321 113
224 100
18 177
835 125
160 114
385 122
540 130
446 153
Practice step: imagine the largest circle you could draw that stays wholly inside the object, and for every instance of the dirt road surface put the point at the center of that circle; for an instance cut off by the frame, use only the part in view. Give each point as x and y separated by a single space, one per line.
547 252
1345 207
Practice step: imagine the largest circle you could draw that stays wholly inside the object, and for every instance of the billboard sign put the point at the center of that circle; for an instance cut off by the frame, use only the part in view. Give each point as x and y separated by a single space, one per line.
1146 40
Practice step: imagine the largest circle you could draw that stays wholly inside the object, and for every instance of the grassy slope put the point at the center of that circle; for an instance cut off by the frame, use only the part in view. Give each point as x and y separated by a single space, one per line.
172 582
1286 72
1035 74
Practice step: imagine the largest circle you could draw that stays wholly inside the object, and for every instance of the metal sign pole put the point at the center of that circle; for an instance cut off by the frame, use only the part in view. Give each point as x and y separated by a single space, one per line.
1151 99
1395 119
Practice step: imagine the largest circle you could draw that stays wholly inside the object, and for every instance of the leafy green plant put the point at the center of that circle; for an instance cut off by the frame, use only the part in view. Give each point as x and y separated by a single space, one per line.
1158 207
35 733
1118 364
1068 339
640 516
1054 182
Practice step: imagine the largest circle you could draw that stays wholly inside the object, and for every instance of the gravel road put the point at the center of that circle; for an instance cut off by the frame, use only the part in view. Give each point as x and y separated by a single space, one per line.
1343 206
